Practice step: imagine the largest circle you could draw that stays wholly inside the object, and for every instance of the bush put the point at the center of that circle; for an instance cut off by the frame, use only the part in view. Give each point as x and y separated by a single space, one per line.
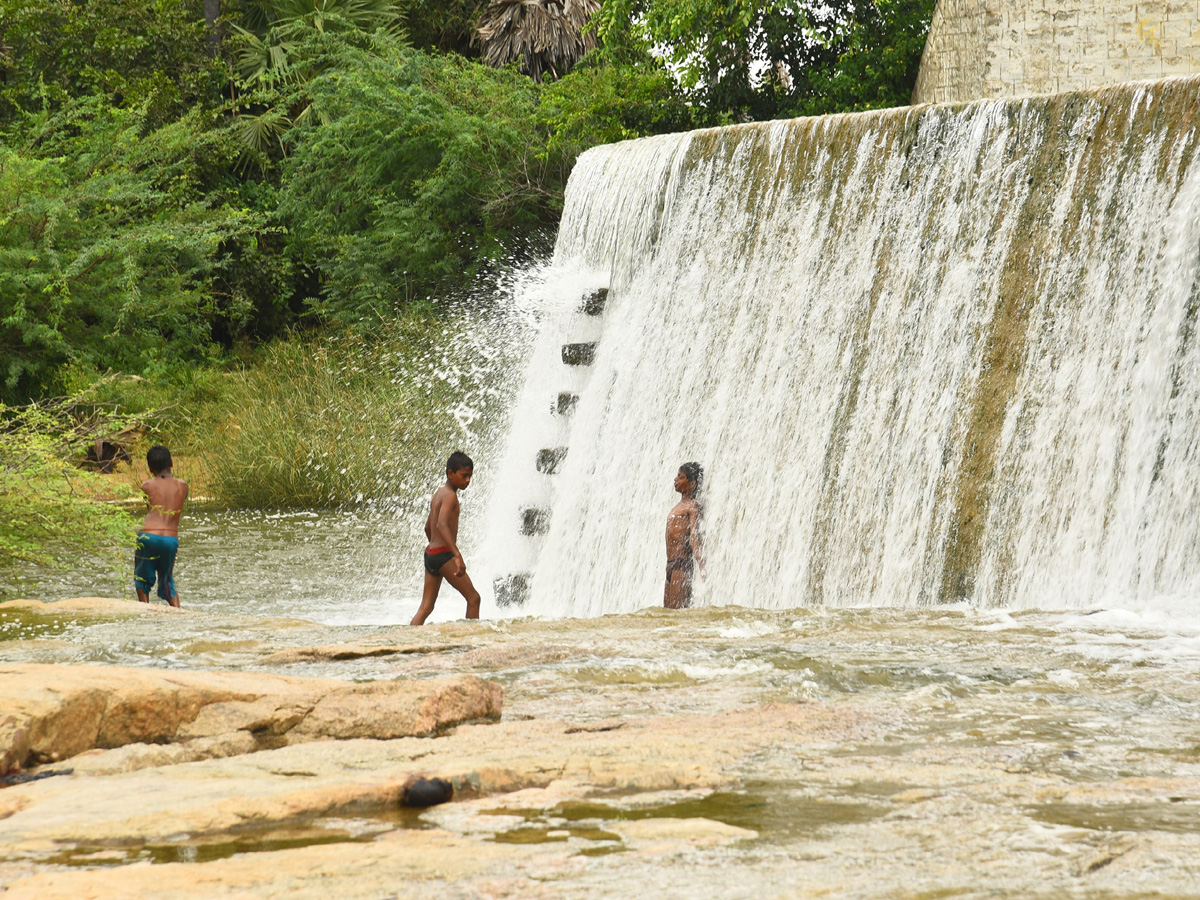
348 418
412 171
111 243
52 512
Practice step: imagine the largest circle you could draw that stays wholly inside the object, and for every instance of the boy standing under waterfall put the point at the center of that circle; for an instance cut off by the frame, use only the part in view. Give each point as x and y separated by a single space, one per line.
442 557
683 538
158 538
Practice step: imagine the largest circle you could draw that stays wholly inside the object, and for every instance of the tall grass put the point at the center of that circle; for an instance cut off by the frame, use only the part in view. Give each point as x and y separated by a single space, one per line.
349 418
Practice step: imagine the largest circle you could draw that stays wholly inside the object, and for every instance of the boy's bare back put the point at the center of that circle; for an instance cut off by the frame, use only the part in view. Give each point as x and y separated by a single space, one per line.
446 515
166 495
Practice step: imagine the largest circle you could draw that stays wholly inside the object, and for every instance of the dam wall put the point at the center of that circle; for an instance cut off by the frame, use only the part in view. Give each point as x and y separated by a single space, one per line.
925 355
1013 48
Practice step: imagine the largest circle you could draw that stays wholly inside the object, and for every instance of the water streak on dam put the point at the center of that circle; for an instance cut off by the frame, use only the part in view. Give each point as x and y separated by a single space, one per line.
925 355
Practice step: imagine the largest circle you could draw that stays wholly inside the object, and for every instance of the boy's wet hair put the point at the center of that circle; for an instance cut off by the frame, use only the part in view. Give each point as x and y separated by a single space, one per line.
693 472
458 461
158 458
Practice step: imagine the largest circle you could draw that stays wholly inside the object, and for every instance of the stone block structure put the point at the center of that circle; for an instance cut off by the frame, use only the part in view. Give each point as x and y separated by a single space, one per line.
1012 48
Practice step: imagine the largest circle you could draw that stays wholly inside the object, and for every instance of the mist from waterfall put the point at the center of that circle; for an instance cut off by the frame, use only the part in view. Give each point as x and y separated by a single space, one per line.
925 355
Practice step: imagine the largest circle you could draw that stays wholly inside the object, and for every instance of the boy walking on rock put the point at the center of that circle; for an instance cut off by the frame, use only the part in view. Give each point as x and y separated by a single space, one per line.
442 557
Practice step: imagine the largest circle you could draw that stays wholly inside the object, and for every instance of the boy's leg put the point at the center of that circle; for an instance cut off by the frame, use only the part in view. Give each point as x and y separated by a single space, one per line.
143 571
678 592
462 584
172 592
433 584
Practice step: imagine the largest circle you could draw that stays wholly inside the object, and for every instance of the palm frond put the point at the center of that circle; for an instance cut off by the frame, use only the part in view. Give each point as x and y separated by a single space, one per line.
549 36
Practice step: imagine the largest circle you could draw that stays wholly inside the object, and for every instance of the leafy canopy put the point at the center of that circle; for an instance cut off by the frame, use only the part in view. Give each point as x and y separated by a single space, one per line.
747 60
414 169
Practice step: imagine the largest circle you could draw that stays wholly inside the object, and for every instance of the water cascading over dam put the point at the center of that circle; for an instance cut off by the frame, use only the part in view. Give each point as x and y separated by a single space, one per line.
925 355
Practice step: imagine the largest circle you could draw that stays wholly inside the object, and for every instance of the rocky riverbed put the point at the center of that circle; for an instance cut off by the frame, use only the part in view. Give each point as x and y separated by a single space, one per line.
719 753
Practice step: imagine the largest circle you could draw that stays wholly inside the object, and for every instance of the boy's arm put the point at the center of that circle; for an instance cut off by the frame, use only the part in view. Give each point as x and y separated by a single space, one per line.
694 538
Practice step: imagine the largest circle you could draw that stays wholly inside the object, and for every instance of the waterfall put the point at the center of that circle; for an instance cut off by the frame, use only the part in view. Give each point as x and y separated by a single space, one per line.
925 355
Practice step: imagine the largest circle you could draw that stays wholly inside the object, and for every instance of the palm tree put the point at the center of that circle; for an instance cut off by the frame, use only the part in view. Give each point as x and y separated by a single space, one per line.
265 54
548 36
276 25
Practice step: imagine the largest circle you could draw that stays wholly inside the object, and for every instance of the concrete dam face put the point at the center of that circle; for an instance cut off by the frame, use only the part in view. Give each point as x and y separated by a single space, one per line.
926 355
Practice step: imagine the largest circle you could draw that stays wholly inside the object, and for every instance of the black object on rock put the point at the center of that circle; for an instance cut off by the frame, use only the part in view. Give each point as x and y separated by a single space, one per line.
422 792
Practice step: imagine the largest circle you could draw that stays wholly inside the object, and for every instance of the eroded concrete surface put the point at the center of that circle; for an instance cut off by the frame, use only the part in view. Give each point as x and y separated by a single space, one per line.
708 753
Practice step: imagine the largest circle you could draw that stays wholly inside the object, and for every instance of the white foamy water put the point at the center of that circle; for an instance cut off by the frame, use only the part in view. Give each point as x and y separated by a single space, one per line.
926 355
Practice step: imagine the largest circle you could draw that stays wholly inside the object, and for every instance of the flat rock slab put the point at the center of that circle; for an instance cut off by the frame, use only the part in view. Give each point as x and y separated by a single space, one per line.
351 777
101 606
354 650
50 713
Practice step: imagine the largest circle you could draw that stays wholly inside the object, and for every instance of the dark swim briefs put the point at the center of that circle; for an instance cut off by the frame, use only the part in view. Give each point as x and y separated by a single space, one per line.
682 564
436 557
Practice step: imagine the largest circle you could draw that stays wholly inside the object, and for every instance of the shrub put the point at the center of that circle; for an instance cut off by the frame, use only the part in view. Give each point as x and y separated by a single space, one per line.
51 511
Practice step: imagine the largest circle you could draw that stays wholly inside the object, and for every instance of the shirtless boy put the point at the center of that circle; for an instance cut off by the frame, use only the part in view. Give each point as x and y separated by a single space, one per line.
158 539
442 557
683 538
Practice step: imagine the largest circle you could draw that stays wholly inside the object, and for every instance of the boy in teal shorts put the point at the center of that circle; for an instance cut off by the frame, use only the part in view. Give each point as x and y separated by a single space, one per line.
158 539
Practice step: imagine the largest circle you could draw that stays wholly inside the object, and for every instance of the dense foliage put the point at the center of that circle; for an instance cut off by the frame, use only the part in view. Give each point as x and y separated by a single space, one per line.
173 185
116 244
743 60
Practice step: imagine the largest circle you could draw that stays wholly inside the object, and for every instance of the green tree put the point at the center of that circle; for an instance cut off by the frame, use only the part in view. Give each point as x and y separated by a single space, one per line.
599 102
116 244
414 171
750 61
133 51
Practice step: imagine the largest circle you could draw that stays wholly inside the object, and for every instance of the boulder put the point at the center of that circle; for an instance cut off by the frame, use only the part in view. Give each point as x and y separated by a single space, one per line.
49 713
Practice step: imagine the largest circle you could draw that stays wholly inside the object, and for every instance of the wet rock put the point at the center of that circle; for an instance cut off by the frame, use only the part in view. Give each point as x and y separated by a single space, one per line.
90 605
50 713
341 652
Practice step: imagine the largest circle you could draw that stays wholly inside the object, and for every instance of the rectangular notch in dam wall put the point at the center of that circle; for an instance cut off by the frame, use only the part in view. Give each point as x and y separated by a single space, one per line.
511 590
566 403
593 303
535 521
548 459
579 354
